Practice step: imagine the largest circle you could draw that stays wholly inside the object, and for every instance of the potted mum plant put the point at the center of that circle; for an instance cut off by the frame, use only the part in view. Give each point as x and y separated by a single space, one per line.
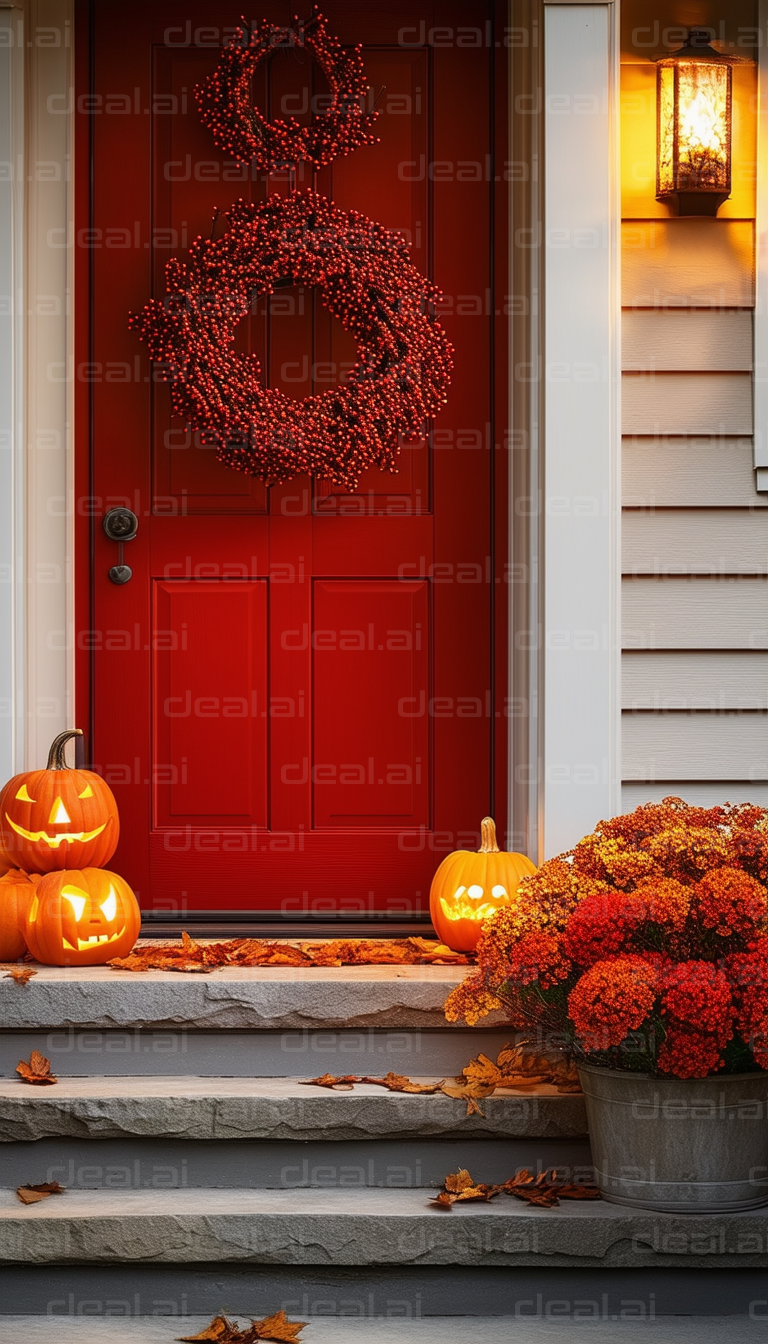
643 954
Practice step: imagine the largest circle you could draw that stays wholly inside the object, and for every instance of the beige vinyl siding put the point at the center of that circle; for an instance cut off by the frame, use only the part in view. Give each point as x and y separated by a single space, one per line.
682 679
700 794
692 472
686 403
688 340
671 613
694 746
687 263
695 530
695 541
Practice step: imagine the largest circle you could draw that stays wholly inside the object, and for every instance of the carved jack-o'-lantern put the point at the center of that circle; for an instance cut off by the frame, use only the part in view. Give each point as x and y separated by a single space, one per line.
82 918
57 817
469 887
16 892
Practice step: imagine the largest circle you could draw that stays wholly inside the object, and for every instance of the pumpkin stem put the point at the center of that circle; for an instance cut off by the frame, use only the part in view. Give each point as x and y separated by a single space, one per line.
488 843
56 758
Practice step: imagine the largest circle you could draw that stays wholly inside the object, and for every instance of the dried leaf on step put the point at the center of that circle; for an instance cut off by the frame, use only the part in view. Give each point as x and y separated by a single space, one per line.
437 953
21 974
398 1082
32 1194
459 1186
37 1069
444 1201
522 1066
511 1059
189 945
277 1327
458 1181
337 1082
462 1092
578 1192
219 1329
531 1189
484 1192
547 1189
482 1075
544 1190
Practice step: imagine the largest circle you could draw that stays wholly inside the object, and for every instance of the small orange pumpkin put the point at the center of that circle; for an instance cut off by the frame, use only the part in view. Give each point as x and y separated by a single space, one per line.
82 918
470 886
16 892
57 817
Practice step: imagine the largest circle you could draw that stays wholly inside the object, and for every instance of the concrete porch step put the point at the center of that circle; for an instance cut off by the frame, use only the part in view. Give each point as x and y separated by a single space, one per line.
258 1022
364 1228
163 1133
265 998
430 1330
207 1108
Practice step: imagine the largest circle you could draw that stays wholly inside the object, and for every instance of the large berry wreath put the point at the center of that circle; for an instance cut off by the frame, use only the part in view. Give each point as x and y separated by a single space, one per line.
240 129
366 280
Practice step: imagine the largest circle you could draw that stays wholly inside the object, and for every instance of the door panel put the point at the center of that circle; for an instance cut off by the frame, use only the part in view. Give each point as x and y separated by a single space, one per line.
210 702
370 664
299 699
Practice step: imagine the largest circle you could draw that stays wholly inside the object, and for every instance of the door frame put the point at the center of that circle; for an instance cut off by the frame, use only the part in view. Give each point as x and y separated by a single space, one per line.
553 744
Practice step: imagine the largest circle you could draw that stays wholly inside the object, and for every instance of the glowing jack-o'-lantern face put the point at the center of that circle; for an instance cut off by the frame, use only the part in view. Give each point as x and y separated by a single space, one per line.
82 918
470 887
57 817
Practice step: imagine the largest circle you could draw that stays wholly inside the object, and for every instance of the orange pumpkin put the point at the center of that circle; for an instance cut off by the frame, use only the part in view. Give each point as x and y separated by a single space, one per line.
16 892
82 918
57 817
469 887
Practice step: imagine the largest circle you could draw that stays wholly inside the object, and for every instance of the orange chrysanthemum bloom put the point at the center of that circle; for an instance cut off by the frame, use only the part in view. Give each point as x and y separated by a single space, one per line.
730 902
689 1054
611 999
666 901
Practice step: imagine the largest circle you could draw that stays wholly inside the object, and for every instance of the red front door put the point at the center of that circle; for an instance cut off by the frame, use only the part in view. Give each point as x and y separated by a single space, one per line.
299 698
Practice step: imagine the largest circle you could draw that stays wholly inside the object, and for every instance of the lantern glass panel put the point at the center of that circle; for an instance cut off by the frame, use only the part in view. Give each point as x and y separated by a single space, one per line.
666 129
702 127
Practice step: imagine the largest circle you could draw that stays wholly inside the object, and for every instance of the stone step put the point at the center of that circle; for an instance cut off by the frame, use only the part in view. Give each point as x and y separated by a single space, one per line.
266 998
194 1108
162 1133
429 1330
363 1228
262 1022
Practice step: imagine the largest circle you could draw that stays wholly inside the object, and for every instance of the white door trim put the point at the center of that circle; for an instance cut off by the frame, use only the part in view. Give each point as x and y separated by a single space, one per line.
582 443
12 328
36 476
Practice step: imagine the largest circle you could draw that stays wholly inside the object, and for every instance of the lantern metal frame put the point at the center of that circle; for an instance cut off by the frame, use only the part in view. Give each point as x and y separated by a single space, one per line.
685 196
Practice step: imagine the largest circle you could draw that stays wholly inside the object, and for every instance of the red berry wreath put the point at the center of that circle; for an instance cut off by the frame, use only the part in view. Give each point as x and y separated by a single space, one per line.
366 280
239 129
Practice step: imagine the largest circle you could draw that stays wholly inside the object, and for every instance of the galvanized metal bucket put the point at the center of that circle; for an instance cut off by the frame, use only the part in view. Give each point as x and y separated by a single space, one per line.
692 1145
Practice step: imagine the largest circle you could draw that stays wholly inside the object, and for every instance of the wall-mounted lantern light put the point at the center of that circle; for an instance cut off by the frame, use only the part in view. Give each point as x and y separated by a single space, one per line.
693 108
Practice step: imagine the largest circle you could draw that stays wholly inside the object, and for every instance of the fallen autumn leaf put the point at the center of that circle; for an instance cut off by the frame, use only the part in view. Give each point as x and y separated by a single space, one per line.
21 974
32 1194
276 1327
36 1069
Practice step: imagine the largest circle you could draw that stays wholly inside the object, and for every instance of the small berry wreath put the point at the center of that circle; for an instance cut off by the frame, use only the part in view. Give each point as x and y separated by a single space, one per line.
366 280
240 130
